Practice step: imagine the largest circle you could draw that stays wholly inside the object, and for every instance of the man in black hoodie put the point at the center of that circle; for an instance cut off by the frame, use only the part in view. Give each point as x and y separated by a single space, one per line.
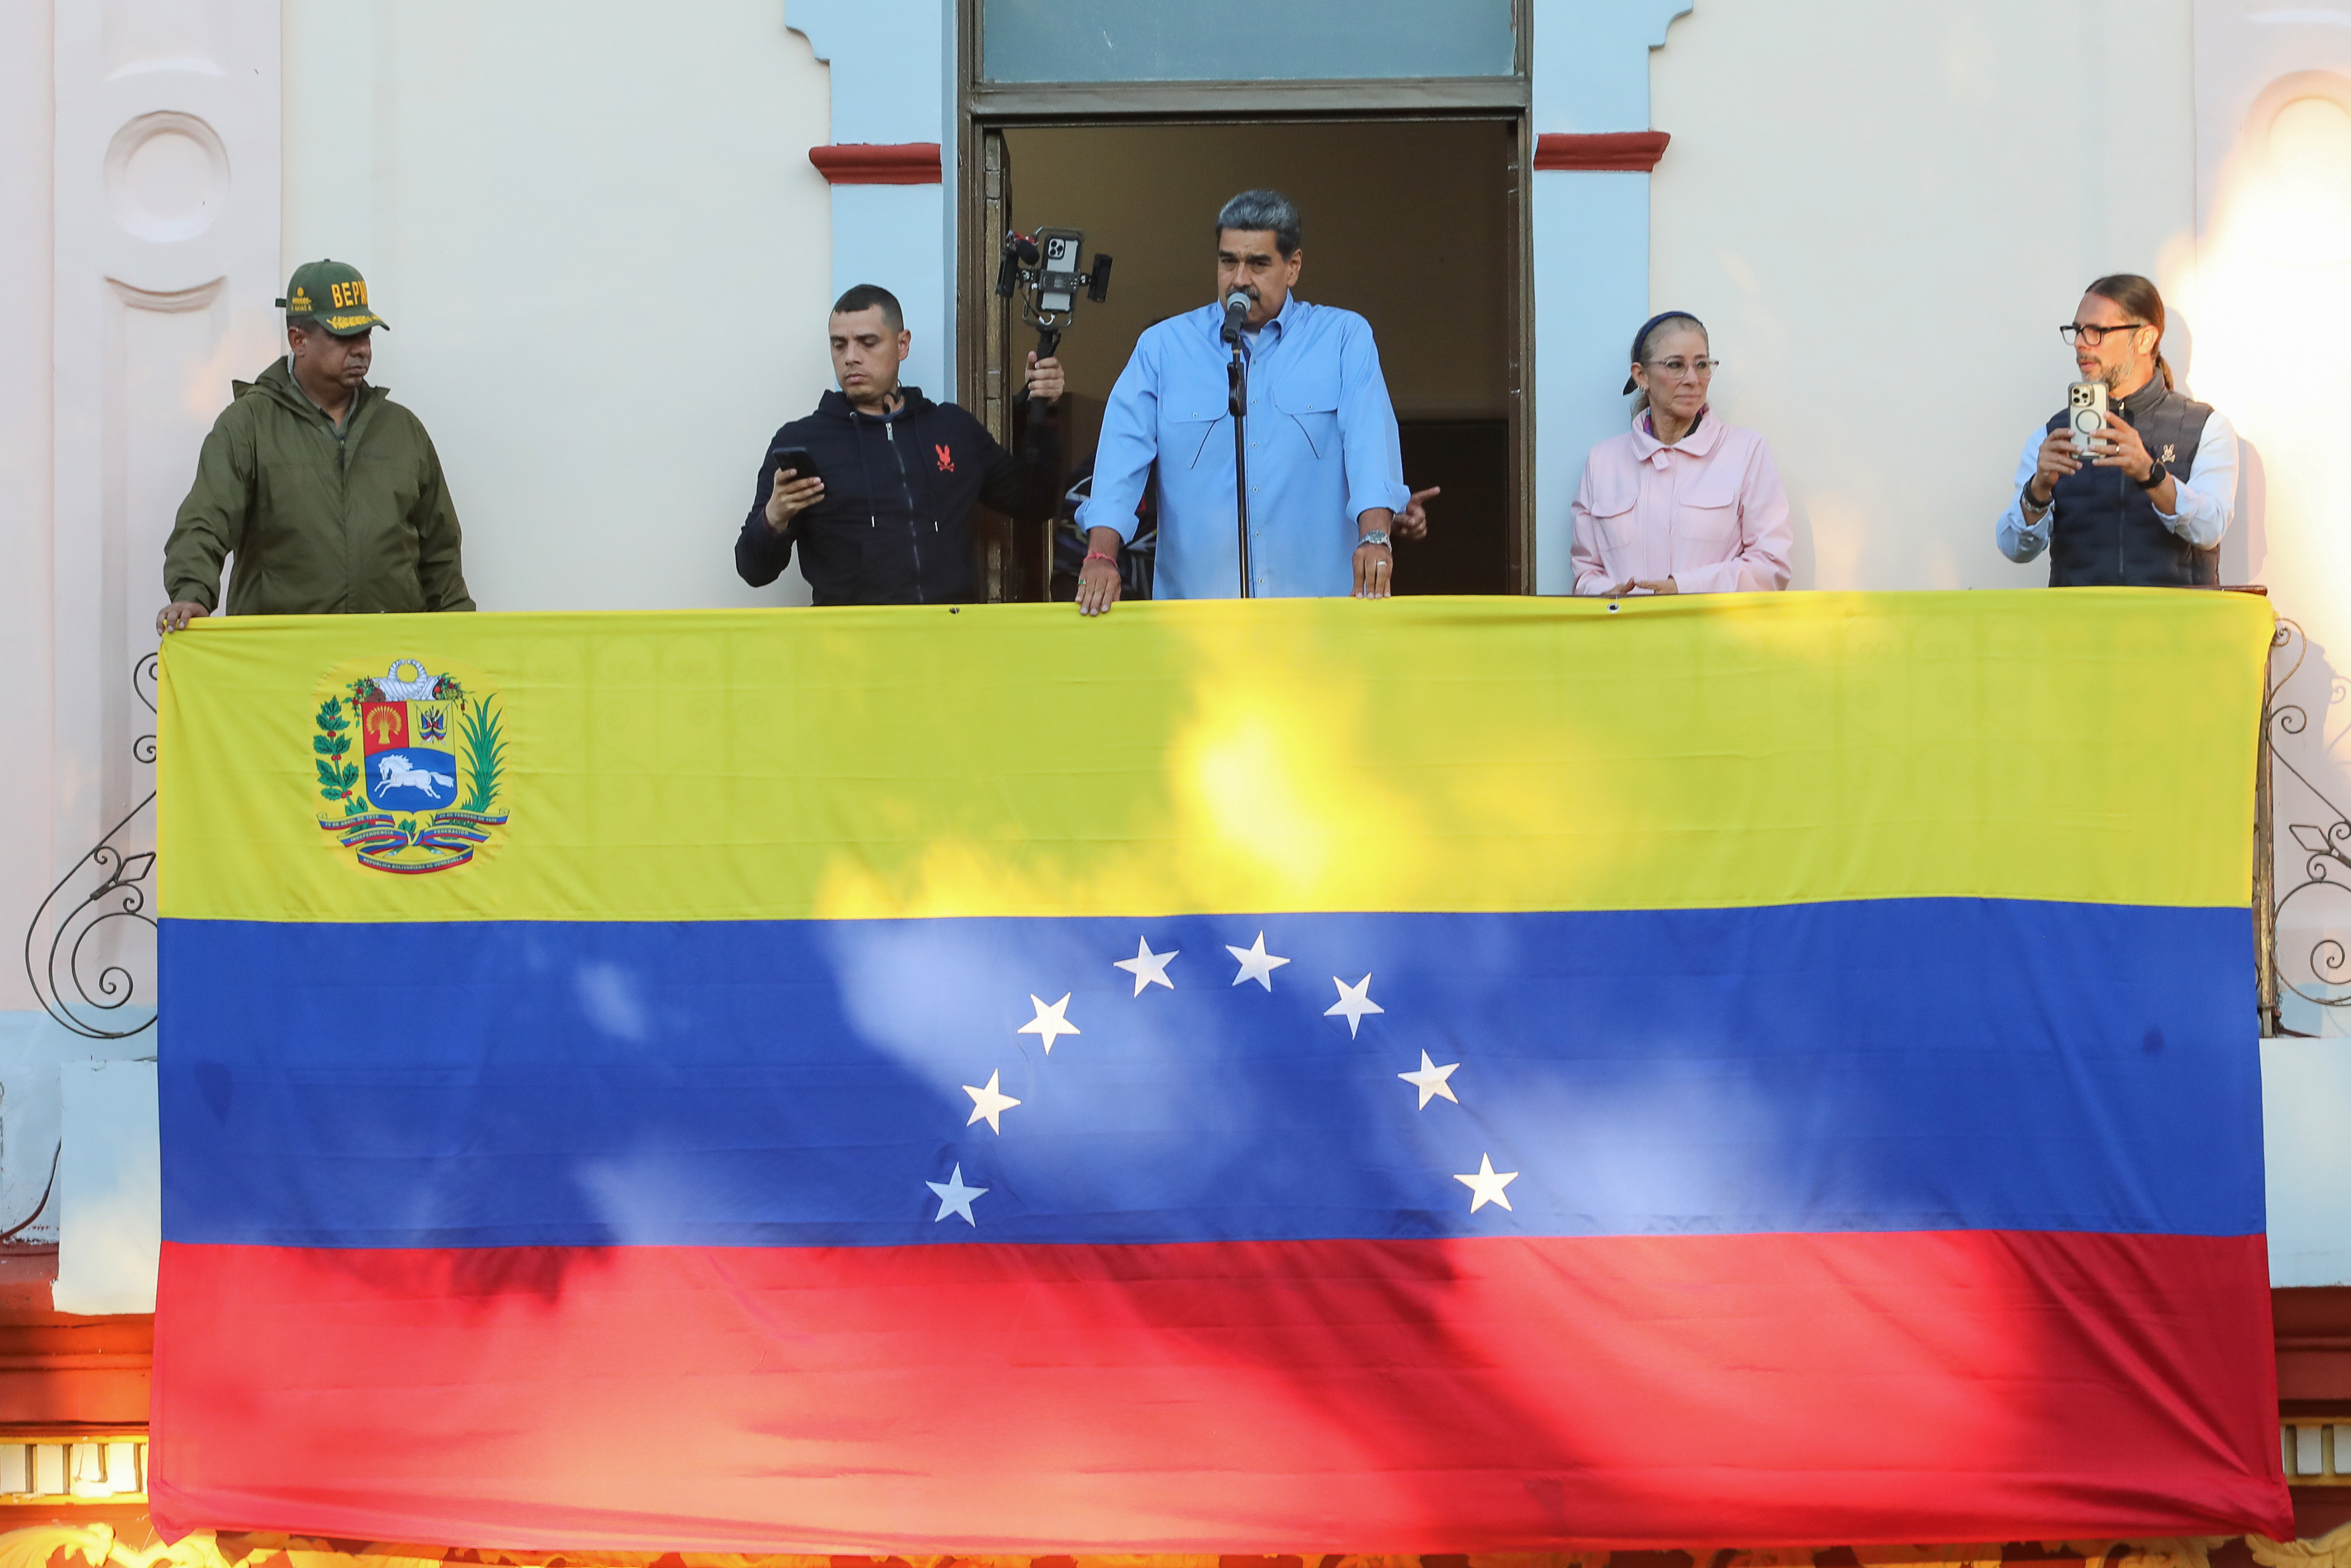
885 518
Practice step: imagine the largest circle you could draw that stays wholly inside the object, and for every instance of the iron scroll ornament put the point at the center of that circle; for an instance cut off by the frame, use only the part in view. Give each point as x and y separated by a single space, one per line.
2326 865
75 984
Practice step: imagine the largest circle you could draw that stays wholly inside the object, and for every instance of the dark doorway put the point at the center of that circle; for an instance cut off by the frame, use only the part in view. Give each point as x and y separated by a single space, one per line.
1412 222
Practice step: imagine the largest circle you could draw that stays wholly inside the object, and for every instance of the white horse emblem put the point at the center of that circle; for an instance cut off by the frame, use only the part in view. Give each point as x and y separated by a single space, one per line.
393 771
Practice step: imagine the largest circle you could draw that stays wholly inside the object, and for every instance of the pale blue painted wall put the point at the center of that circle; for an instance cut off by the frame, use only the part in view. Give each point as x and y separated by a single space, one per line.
110 1188
891 70
1591 246
34 1050
2306 1139
890 234
1592 289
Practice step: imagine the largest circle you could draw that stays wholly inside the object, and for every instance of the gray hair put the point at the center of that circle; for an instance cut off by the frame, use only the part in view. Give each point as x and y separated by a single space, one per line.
1253 212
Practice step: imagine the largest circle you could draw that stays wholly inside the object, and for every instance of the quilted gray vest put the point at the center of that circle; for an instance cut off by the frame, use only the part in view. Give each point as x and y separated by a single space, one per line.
2105 532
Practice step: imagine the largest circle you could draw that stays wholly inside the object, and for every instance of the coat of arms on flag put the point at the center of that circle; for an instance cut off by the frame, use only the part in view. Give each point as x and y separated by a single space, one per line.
412 764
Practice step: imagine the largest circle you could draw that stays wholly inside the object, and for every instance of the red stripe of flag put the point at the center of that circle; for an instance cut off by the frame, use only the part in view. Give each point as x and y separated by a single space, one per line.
1359 1396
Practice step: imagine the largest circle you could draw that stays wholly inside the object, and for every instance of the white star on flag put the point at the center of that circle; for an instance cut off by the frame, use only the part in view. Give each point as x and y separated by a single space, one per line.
988 1103
1149 968
1353 1002
1486 1186
956 1198
1049 1022
1429 1081
1257 964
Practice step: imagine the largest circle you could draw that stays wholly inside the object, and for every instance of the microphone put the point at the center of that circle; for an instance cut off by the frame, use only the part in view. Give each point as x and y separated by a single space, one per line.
1021 254
1236 310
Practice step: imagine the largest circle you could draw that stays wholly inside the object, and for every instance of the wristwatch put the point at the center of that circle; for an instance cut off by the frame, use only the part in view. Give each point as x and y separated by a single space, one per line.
2156 475
1376 537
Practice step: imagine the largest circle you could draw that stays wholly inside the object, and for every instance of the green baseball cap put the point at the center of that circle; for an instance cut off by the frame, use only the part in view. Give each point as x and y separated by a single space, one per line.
334 295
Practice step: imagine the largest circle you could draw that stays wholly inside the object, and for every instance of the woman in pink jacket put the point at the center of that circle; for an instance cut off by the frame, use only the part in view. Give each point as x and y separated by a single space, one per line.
1681 503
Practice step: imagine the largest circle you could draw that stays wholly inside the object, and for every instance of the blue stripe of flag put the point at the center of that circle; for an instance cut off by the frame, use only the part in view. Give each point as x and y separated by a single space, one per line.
1903 1065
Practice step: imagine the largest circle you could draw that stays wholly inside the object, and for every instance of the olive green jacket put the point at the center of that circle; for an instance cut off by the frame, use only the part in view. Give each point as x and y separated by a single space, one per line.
319 525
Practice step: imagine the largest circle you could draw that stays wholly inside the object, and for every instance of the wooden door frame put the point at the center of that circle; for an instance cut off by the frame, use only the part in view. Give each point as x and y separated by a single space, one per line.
983 109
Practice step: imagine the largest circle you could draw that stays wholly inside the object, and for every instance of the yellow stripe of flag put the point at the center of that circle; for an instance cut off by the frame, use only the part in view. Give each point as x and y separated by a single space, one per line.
1489 754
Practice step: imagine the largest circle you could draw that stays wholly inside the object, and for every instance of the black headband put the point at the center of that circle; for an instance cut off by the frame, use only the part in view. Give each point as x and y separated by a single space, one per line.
1650 326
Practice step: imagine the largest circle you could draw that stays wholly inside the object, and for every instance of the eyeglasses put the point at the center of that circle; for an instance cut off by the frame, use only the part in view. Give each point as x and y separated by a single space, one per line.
1679 369
2094 336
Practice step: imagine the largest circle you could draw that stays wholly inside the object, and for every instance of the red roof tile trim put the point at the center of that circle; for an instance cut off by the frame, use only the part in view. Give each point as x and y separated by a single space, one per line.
878 163
1637 150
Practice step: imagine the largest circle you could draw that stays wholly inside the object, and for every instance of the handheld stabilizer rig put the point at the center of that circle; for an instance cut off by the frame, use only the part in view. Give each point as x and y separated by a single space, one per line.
1044 266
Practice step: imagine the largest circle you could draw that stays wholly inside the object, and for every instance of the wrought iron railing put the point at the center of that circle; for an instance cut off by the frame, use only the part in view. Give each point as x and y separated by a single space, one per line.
2319 834
81 983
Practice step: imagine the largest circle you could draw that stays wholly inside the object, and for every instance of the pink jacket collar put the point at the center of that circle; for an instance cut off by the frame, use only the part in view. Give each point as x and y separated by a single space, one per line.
1701 440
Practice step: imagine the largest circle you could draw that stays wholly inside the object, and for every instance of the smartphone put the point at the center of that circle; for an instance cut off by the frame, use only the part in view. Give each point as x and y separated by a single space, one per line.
2085 410
803 466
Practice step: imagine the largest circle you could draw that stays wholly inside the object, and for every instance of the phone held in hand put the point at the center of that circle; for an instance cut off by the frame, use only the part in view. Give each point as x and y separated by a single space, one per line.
803 466
2086 410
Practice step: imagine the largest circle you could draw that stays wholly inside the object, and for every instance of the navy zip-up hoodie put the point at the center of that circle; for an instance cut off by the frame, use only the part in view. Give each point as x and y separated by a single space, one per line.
895 525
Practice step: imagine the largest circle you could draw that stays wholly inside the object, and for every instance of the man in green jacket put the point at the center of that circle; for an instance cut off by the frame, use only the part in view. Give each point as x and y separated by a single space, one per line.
327 493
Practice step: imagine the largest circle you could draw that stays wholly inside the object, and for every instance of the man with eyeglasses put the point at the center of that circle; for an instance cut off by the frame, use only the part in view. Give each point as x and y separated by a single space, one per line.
2148 507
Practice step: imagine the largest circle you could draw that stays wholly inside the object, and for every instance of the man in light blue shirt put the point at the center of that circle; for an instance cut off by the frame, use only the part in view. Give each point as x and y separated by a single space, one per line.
1326 470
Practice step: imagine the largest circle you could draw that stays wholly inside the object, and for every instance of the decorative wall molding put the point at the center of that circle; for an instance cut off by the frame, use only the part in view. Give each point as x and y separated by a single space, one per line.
1624 149
878 163
70 1379
166 218
171 300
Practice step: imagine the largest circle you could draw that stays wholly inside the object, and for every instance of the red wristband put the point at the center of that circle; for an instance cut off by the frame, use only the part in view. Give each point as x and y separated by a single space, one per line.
1097 555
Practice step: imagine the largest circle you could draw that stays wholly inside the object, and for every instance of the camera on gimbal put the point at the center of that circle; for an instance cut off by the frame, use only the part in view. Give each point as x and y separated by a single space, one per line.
1045 267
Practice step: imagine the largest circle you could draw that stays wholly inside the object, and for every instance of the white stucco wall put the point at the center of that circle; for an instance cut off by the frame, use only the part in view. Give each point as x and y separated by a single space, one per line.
2272 271
1877 211
605 257
27 115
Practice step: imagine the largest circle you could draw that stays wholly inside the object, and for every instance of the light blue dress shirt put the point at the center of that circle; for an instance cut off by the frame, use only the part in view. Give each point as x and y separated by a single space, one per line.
1323 452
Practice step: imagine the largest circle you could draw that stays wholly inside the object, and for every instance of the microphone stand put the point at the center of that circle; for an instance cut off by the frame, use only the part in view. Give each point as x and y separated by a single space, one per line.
1237 379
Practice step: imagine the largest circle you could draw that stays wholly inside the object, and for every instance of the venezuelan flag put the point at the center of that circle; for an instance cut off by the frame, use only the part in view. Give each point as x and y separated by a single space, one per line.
1429 1076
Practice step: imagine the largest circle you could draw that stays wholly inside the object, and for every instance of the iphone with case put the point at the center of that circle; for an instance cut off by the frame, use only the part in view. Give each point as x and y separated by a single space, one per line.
2085 410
